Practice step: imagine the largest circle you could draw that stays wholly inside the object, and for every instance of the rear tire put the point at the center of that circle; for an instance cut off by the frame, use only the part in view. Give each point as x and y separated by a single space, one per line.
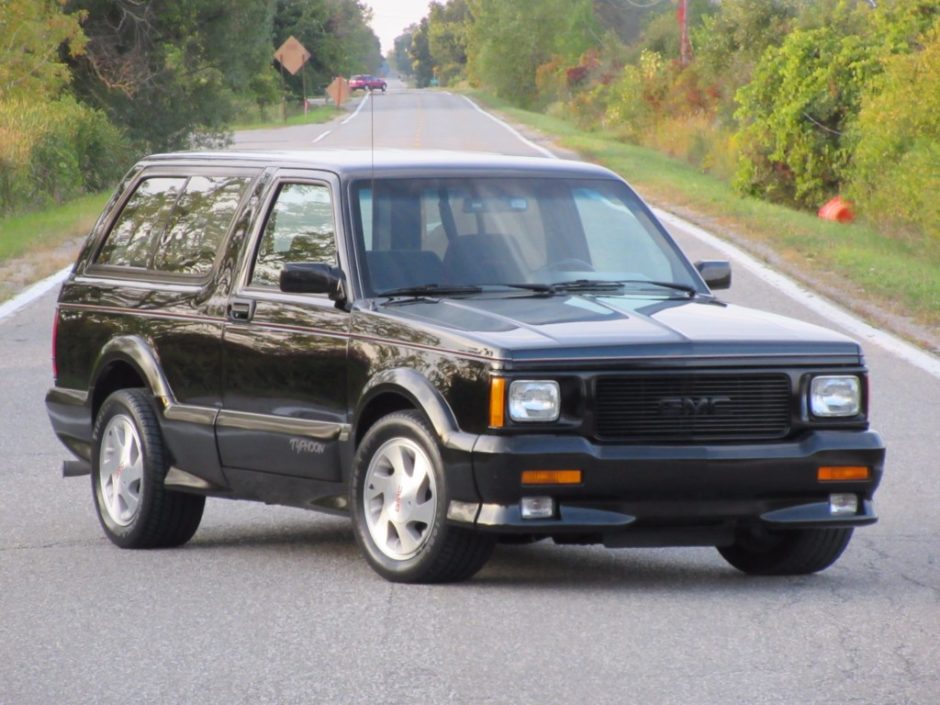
399 500
796 552
129 464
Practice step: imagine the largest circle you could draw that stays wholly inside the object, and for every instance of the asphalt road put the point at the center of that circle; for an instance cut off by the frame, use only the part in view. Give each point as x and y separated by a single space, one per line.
274 605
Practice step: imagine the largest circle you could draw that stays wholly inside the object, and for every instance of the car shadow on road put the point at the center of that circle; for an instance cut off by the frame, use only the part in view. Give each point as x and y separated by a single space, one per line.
664 570
324 533
538 565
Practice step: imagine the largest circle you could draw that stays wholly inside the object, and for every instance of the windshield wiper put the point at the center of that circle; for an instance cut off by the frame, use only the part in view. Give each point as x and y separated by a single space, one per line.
601 285
690 290
431 290
539 288
574 285
588 285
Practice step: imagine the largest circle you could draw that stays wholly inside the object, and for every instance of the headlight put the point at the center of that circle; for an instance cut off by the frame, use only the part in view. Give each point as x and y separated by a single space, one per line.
534 401
835 396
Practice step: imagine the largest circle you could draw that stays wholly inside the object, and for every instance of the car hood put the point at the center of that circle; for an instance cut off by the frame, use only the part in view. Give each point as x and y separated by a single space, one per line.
566 327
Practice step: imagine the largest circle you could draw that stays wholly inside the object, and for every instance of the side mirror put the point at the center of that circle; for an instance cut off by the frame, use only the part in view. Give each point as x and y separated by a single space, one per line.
314 278
715 272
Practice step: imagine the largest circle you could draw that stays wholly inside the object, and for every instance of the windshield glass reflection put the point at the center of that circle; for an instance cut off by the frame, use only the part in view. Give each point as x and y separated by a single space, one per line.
502 232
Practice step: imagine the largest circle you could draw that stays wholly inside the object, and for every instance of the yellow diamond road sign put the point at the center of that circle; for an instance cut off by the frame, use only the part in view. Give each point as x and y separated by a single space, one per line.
292 55
338 90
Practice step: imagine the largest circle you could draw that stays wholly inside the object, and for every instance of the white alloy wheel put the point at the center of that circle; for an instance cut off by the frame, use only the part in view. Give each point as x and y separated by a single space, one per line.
121 470
399 498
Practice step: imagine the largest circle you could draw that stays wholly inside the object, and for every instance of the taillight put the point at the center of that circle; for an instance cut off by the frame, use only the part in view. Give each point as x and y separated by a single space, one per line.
55 337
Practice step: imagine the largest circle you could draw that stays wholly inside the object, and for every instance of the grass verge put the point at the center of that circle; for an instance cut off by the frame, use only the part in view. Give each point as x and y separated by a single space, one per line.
51 227
295 116
35 245
896 275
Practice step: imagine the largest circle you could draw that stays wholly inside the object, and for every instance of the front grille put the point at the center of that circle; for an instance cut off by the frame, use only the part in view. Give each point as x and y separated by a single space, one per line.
700 407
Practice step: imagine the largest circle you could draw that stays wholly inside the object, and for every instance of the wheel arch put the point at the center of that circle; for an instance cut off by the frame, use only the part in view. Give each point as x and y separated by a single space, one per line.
399 389
126 362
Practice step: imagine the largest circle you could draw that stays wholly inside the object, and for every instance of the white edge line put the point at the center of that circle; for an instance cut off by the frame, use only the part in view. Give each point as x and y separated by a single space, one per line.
828 310
26 297
322 136
362 102
537 147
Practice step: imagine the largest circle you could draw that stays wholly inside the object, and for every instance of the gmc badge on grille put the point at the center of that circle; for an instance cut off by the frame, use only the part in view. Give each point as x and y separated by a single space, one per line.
692 406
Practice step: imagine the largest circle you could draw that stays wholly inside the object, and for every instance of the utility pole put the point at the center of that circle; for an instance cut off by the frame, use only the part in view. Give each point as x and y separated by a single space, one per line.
685 44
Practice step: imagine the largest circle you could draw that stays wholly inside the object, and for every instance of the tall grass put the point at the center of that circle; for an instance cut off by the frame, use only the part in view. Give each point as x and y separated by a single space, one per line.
53 151
49 227
251 118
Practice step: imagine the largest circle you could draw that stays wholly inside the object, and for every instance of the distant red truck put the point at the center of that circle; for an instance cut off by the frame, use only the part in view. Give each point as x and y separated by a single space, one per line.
366 82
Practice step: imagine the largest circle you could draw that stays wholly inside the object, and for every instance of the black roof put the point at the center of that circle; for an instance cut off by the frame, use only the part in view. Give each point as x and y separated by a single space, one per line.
353 163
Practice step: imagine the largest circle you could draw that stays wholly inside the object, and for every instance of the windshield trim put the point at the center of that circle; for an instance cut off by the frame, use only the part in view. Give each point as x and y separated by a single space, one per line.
685 277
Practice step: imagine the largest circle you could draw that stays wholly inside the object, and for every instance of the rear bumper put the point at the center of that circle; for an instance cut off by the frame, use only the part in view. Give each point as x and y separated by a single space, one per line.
70 417
678 491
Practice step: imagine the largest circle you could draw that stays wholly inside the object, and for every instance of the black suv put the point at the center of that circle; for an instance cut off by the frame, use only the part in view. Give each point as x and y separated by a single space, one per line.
453 349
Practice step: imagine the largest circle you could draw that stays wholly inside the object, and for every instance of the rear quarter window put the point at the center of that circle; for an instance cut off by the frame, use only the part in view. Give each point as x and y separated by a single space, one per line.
174 225
130 240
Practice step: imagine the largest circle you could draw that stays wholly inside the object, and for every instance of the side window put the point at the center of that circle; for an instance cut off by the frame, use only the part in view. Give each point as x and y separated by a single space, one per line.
143 218
198 224
299 229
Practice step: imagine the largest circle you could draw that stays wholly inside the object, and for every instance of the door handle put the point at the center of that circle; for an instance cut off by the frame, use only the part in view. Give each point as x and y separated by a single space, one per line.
241 309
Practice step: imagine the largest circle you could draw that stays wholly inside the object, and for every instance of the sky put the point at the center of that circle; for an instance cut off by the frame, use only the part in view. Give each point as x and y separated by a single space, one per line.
390 17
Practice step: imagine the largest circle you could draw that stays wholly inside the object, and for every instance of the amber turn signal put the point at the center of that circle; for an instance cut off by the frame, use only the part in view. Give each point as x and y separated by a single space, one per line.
551 477
497 402
846 473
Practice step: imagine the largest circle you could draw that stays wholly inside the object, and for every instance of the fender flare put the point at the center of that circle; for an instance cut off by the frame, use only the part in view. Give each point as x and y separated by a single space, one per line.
410 383
136 351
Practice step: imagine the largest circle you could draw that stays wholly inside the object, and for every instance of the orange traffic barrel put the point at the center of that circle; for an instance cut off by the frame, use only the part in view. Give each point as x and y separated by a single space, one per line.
837 209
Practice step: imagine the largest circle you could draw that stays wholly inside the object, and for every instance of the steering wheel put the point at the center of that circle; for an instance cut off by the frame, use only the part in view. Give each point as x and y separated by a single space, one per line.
570 264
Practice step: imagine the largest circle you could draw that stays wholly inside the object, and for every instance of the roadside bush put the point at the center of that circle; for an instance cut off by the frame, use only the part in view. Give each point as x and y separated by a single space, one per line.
895 173
53 151
637 96
550 82
794 113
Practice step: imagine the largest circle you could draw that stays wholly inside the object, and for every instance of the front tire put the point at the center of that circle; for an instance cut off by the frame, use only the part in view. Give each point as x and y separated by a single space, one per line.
129 464
795 552
398 495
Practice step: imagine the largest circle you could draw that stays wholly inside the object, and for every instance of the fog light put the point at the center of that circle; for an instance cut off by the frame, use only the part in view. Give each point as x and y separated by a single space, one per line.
843 504
537 507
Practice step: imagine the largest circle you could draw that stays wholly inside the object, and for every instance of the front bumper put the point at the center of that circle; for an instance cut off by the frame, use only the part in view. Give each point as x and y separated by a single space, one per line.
670 495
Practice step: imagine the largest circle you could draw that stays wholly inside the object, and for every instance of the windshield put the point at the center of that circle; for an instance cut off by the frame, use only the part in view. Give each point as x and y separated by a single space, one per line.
491 232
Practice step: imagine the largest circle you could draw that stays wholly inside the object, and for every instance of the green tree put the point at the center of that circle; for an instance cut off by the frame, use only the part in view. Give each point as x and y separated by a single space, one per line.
794 113
168 71
509 40
729 42
805 94
661 31
32 33
895 170
625 19
448 31
422 63
51 147
337 35
401 54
